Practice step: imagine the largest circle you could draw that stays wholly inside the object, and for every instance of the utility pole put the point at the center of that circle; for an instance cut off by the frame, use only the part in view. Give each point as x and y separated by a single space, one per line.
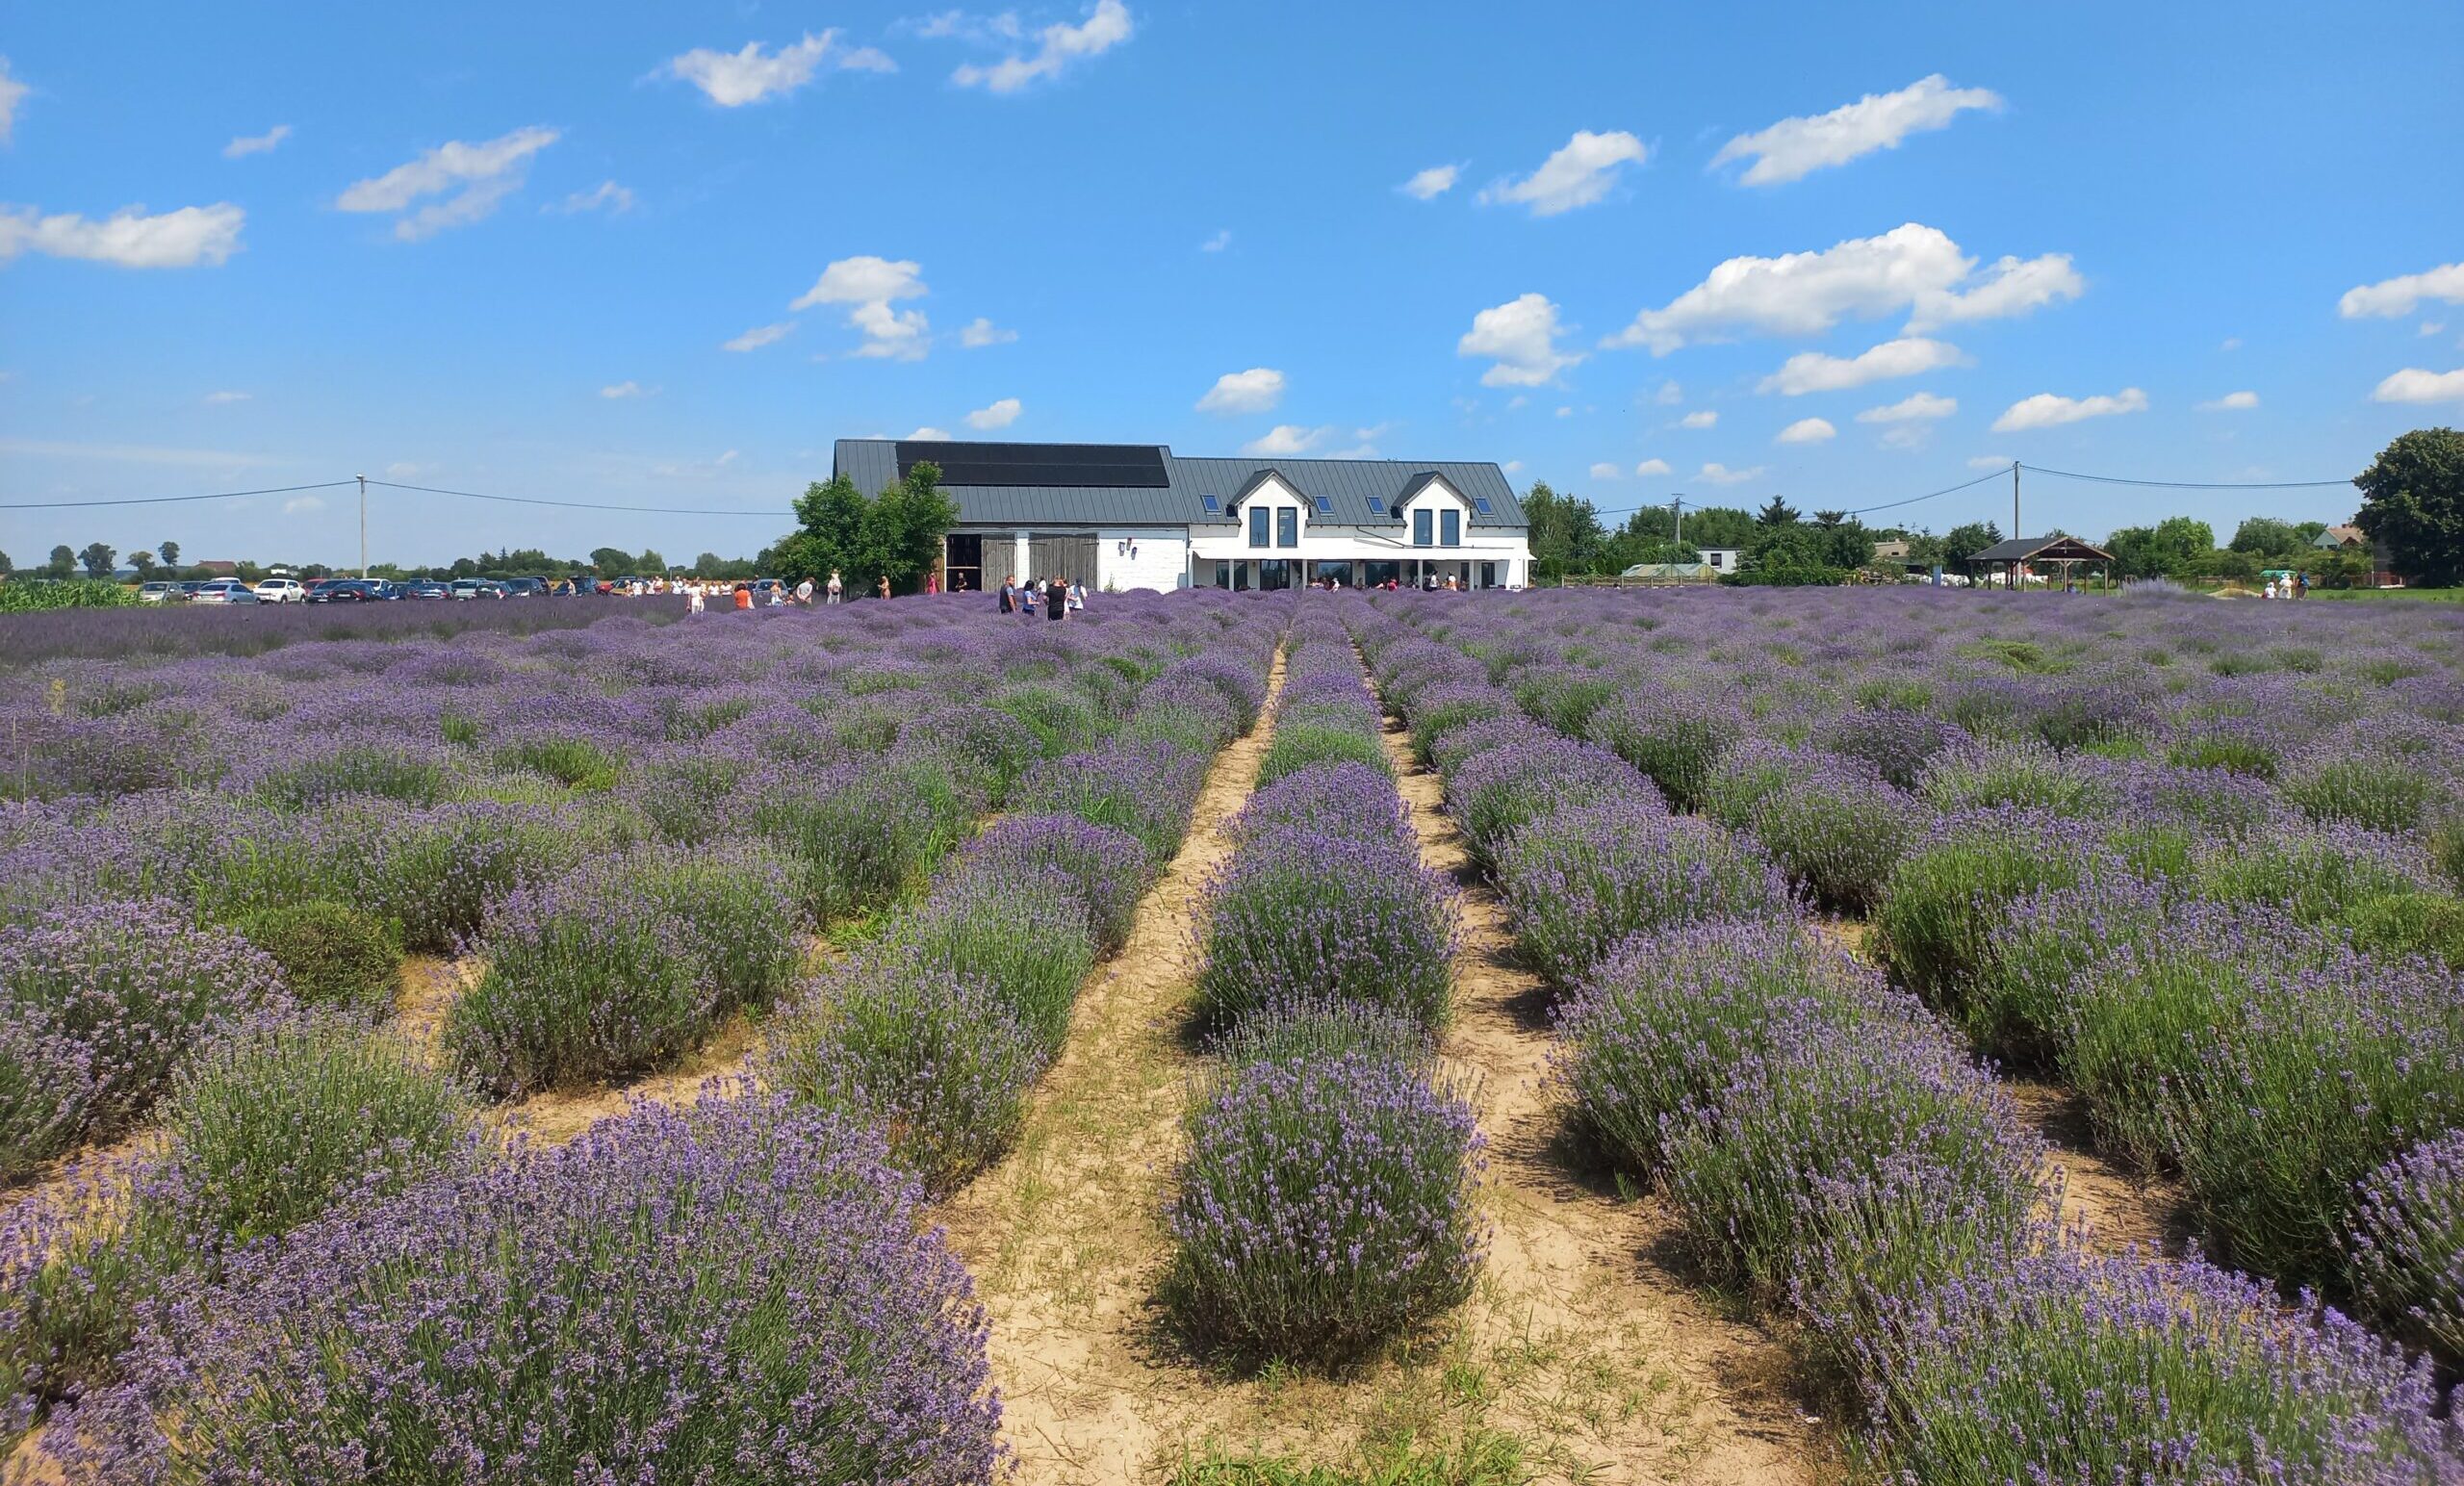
363 525
2013 571
1677 519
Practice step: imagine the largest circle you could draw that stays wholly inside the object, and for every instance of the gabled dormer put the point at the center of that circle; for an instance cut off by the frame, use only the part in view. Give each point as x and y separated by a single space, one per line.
1271 511
1433 513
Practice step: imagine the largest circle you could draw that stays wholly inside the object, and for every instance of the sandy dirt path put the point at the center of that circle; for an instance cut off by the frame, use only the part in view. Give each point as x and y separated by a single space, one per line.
1701 1396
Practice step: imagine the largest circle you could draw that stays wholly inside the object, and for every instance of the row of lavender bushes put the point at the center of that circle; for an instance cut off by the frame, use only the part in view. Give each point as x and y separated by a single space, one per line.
1833 1152
316 1205
937 1027
1325 1199
2181 892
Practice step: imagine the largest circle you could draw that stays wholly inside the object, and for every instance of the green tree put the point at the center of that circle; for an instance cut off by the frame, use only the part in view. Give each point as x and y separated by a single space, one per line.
1965 541
144 563
63 562
610 561
1719 525
2263 536
2412 501
897 534
652 563
171 551
1566 534
2169 549
98 557
1779 513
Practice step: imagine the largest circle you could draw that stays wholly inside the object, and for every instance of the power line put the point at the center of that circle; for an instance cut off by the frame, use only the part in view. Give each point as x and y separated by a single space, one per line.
1892 505
220 495
2118 479
575 505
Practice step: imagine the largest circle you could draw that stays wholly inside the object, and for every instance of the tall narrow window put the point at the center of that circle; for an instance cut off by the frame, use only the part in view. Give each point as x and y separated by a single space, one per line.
1257 525
1450 528
1421 524
1287 525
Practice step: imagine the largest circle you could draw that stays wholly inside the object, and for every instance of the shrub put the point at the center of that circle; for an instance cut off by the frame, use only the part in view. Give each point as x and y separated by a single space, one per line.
1505 790
621 966
330 955
1851 1162
782 1310
1348 800
2011 1373
1670 735
860 833
284 1119
1198 724
1146 789
1835 827
435 873
333 770
1106 869
1296 915
1302 745
2385 773
1440 711
1943 905
1656 1029
1323 1206
2015 1006
1058 722
122 991
2403 1246
1577 882
940 1066
2023 773
2320 874
577 763
1302 1030
1025 940
1463 744
75 1267
1897 742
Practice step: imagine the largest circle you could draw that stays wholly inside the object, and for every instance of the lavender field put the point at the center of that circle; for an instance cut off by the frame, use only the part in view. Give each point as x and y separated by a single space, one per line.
1759 1035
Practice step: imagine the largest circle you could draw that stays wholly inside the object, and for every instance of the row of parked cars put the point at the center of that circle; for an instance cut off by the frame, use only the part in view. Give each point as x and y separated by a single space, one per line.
335 590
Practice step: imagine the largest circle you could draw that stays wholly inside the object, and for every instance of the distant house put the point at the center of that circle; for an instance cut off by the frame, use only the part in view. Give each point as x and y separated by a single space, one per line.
1723 559
2352 539
1893 550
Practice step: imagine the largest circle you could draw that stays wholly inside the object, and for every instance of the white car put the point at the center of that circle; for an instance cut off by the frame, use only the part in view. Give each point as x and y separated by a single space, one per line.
281 590
229 590
157 591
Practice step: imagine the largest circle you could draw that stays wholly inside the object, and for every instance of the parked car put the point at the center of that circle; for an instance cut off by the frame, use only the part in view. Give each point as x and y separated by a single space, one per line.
346 590
478 588
281 590
228 590
159 593
765 587
426 588
189 588
525 587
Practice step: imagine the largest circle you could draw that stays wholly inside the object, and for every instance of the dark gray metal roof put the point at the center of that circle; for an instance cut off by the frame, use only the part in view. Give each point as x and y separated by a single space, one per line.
1346 484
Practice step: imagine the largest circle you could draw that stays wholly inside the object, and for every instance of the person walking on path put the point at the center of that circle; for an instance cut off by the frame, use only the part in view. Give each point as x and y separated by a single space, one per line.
1009 596
835 586
1027 598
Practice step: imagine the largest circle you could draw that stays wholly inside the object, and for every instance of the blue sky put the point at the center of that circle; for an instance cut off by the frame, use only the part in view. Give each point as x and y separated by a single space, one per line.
665 256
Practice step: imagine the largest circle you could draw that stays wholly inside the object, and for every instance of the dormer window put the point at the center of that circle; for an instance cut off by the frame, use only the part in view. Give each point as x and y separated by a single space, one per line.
1424 521
1287 525
1450 528
1258 519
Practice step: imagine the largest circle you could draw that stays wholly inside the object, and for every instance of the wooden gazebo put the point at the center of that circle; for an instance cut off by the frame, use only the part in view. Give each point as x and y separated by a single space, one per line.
2065 552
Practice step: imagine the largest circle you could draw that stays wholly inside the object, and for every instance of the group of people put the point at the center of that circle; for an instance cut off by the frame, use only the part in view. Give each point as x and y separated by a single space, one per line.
2293 586
1056 595
776 594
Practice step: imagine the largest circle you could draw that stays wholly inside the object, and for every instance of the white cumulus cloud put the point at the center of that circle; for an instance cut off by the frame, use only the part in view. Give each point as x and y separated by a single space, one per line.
1000 414
1722 474
1432 183
606 196
2045 410
1813 371
1603 471
1808 431
1796 147
1520 338
895 335
863 280
733 78
759 336
2231 403
1579 173
1913 408
2415 385
1284 440
1106 26
981 332
1706 418
1254 391
1217 243
2389 298
11 93
1913 267
127 239
256 143
931 434
471 178
1650 468
1989 462
628 389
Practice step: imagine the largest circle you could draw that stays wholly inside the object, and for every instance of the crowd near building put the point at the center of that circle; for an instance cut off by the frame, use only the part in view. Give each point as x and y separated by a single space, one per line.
1122 516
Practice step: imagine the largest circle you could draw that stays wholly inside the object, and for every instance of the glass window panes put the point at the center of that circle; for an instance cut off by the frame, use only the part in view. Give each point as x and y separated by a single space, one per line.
1258 526
1420 528
1450 528
1287 525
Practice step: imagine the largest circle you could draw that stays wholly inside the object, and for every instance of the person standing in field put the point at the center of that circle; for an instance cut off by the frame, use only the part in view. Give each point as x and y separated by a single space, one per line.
1056 598
1027 598
803 593
744 596
1009 604
883 585
693 600
835 586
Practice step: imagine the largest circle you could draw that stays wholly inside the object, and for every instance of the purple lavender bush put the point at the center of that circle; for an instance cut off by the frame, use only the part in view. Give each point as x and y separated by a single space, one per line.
860 833
1026 939
1833 825
102 1003
1298 916
1505 790
1106 869
2069 1368
1898 742
1671 734
737 1288
2403 1245
1942 907
1328 1028
1656 1030
1323 1206
1146 789
1301 744
1577 882
940 1065
2320 873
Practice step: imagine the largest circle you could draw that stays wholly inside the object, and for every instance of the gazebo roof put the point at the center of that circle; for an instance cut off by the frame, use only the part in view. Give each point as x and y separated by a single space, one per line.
2042 550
